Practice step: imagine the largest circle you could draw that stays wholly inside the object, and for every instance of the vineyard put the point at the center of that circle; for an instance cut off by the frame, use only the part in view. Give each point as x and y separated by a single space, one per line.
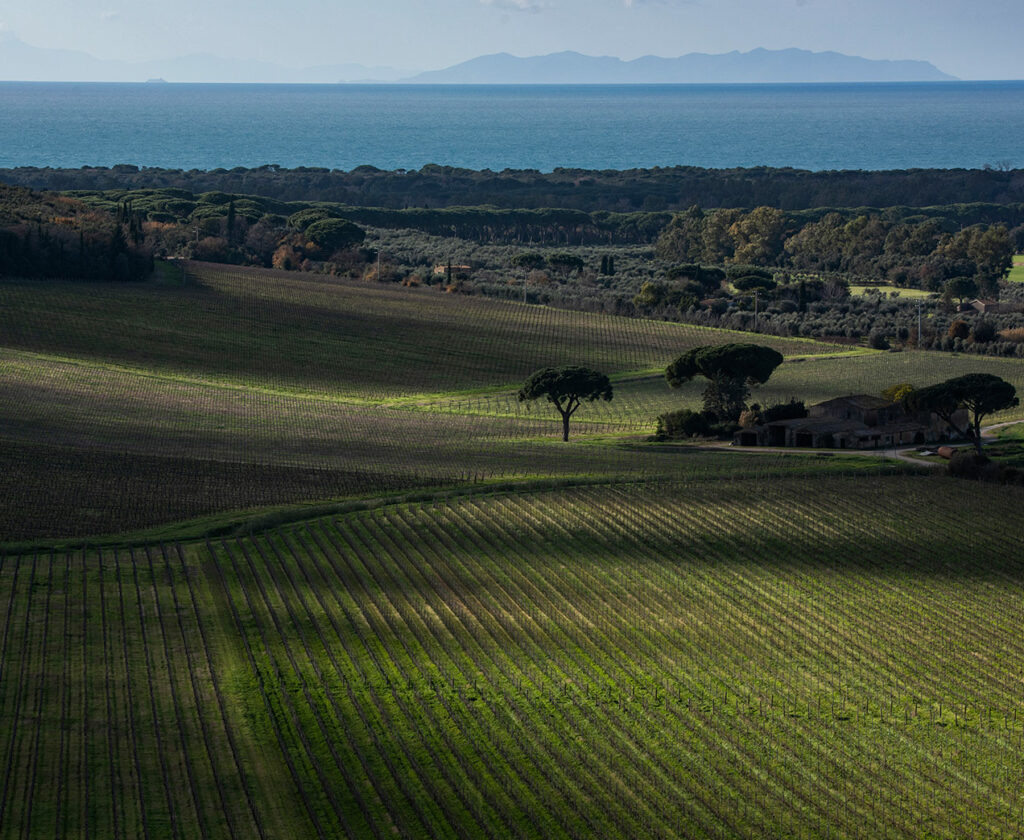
662 659
284 557
326 336
89 449
129 406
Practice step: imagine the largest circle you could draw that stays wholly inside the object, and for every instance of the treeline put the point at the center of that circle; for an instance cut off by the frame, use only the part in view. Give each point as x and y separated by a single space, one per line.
204 213
661 189
541 226
924 249
53 236
111 234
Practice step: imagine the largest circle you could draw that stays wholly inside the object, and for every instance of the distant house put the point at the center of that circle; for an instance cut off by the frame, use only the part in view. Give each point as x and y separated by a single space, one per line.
858 421
993 307
443 269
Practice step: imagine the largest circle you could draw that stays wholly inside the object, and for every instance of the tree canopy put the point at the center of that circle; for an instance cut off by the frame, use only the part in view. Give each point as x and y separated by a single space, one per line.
979 393
730 369
961 288
565 263
566 388
752 282
749 362
335 234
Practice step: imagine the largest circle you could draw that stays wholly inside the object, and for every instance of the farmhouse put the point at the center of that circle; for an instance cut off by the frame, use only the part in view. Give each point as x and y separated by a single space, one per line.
994 307
858 421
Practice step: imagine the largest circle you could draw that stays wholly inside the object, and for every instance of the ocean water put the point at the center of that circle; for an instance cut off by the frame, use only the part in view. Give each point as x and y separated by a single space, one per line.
808 126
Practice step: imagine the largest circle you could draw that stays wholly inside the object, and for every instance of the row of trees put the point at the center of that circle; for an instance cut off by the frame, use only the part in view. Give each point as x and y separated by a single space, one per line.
659 189
756 236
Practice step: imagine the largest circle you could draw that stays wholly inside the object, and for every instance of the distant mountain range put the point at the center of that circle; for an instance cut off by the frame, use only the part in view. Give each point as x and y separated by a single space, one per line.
758 65
21 62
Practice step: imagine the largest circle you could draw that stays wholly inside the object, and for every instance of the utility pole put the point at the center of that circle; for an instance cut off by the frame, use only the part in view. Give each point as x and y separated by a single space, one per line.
755 310
919 325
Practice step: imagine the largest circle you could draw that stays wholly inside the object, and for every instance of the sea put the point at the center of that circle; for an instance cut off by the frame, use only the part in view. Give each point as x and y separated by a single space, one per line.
806 126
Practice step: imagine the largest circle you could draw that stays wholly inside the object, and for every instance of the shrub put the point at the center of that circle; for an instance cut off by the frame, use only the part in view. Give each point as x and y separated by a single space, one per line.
878 341
959 329
210 249
967 465
784 411
976 467
723 430
984 331
682 424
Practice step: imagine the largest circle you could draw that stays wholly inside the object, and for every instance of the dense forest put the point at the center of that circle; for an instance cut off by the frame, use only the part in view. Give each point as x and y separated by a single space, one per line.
627 191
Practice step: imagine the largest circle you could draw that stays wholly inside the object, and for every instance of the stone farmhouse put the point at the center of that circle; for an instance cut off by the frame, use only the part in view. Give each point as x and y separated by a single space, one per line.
858 421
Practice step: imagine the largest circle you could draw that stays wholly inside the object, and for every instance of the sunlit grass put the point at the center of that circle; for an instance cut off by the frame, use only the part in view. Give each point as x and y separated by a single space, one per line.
1017 272
888 291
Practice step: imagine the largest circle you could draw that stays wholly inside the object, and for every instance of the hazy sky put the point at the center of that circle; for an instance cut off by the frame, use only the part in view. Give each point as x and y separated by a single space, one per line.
973 39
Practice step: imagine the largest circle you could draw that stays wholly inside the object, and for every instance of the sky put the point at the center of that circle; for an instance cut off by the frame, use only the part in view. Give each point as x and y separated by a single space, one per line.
972 39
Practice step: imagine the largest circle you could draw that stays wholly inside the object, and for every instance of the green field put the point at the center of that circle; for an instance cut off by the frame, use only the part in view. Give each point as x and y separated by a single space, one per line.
1017 272
888 290
283 557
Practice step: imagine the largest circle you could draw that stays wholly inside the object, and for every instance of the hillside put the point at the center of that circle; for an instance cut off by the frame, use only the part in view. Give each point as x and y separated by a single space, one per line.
282 555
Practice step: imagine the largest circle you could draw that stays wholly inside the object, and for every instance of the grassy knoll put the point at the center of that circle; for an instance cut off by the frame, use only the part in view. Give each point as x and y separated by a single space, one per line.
696 658
309 333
